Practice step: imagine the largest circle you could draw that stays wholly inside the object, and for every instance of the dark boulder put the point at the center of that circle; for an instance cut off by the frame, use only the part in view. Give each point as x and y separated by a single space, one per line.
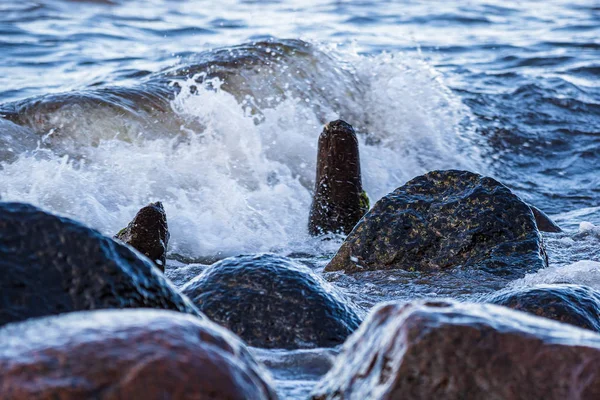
339 201
51 265
448 350
572 304
133 354
443 220
148 233
543 221
273 302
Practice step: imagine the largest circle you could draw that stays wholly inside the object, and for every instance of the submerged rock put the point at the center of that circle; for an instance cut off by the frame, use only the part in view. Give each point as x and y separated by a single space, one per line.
443 220
52 265
339 201
133 354
448 350
544 222
148 233
572 304
273 302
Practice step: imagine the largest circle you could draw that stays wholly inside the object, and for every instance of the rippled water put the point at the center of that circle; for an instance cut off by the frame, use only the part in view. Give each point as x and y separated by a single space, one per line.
215 108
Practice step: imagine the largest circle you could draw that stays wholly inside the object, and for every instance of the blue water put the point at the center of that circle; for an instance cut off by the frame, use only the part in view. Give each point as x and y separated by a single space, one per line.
214 108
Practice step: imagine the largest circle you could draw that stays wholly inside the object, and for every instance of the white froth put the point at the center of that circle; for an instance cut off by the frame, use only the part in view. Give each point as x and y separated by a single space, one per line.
237 186
585 272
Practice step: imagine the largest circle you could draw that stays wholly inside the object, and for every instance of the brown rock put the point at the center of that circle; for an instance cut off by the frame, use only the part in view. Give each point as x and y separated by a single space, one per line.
133 354
148 233
339 201
449 350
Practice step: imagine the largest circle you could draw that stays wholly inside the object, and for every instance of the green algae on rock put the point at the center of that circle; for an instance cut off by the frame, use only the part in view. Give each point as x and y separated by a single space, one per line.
443 220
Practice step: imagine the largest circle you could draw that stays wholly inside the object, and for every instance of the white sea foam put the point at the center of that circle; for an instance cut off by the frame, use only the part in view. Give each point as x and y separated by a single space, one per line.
237 186
585 272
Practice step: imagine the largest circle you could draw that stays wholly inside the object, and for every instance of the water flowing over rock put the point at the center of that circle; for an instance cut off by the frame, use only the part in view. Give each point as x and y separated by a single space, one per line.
339 201
449 350
572 304
443 220
132 354
52 265
148 233
273 302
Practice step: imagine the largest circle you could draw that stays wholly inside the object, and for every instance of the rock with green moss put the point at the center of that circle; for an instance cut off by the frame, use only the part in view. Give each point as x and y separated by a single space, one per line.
148 233
445 220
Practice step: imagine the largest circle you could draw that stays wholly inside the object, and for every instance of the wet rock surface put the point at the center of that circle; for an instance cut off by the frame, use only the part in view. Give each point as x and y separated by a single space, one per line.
543 221
273 302
132 354
572 304
52 265
448 350
443 220
148 233
339 201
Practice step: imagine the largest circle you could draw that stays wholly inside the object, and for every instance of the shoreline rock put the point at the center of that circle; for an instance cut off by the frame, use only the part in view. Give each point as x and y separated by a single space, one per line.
444 220
133 354
450 350
273 302
339 201
148 233
52 265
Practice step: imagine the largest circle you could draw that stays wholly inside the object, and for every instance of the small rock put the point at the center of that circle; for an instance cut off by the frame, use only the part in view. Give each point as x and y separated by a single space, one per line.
52 265
339 201
572 304
449 350
273 302
444 220
148 233
133 354
544 223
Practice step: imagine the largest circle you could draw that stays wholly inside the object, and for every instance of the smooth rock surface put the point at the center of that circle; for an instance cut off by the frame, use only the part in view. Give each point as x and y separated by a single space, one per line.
132 354
51 265
148 233
443 220
544 222
273 302
449 350
572 304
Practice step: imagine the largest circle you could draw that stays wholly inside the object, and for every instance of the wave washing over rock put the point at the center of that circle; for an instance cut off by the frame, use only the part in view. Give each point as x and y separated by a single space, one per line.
234 174
211 118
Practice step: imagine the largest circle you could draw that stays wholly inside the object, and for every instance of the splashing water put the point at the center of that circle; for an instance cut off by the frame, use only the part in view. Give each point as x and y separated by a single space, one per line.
232 181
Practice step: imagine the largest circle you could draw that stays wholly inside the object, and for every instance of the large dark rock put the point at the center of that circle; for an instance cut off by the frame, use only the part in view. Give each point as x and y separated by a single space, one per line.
339 201
447 350
572 304
443 220
51 265
133 354
273 302
148 233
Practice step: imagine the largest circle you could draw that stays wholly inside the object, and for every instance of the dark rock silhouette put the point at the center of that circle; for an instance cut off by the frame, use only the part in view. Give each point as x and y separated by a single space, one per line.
339 201
443 220
544 223
572 304
148 233
449 350
52 265
273 302
133 354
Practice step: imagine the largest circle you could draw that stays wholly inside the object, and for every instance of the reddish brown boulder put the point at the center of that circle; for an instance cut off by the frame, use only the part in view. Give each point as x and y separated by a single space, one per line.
132 354
449 350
